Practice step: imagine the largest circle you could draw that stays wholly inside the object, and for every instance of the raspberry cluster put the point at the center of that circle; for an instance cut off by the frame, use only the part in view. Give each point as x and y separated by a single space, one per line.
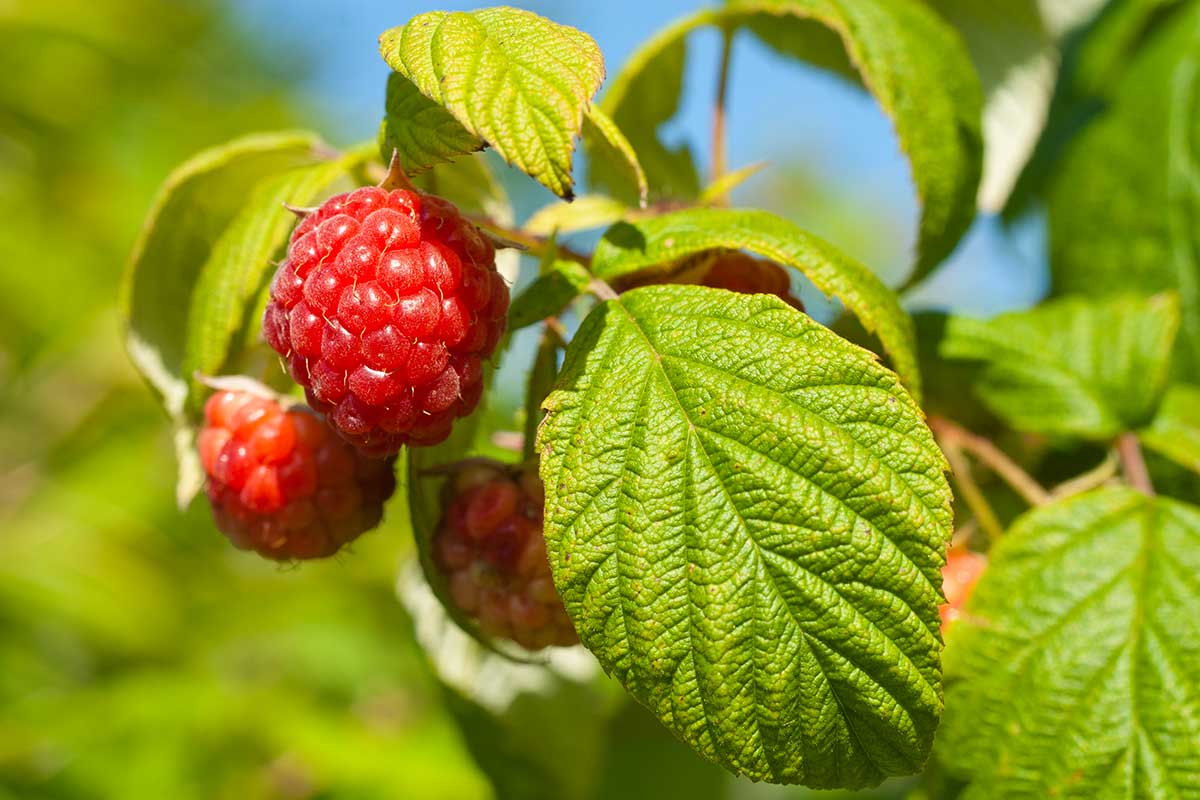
282 483
745 274
491 548
959 576
384 309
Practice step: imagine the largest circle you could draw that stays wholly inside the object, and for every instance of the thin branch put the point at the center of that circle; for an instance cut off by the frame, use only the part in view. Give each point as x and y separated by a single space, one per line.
1095 477
994 458
969 491
601 289
1133 464
536 245
719 114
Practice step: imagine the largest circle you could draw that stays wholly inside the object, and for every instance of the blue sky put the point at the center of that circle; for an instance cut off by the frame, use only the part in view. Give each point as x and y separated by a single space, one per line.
781 112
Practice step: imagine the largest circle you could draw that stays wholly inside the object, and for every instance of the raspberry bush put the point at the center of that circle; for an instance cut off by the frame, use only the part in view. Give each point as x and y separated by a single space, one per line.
741 513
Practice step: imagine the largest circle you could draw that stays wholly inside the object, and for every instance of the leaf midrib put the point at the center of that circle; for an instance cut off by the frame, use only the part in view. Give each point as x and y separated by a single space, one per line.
761 565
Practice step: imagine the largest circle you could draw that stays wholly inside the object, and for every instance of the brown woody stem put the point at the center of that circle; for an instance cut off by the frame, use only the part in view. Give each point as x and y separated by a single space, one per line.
1133 464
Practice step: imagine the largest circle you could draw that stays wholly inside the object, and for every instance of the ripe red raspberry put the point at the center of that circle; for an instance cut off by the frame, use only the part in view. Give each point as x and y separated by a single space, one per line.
741 273
490 546
959 576
281 483
384 310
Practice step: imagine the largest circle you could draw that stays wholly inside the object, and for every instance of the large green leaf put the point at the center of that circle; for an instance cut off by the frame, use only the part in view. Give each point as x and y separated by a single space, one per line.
193 209
420 131
629 247
515 80
747 517
1175 431
235 270
1074 672
1090 368
918 70
1125 206
641 97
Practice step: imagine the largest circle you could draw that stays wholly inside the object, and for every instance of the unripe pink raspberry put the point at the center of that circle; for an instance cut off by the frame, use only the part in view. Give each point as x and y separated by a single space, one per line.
959 576
489 545
385 309
745 274
282 483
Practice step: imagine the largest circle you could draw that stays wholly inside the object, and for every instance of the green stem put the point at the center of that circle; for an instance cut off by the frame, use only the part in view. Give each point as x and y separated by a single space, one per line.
950 433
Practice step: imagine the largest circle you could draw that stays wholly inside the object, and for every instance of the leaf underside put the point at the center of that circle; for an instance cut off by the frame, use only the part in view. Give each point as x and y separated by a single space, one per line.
918 70
746 517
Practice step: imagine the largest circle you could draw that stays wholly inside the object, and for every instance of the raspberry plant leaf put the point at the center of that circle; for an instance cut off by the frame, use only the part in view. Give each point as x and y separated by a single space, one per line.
642 97
419 130
561 281
224 300
583 213
1080 367
1073 671
629 247
918 70
1175 431
1124 205
196 204
605 141
747 517
517 81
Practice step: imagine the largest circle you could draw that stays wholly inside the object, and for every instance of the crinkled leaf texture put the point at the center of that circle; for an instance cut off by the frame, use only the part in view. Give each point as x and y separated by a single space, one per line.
515 80
628 247
916 67
1124 206
1175 431
207 229
419 131
1075 366
1074 672
747 517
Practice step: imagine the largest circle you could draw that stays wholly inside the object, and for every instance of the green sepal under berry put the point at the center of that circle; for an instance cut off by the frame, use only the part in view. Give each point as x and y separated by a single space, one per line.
747 518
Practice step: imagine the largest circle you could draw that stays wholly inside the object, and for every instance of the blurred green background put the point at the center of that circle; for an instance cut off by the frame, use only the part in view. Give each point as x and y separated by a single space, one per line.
140 655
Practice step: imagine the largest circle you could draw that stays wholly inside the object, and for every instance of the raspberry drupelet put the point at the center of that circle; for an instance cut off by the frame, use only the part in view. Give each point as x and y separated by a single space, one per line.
490 546
282 483
385 309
